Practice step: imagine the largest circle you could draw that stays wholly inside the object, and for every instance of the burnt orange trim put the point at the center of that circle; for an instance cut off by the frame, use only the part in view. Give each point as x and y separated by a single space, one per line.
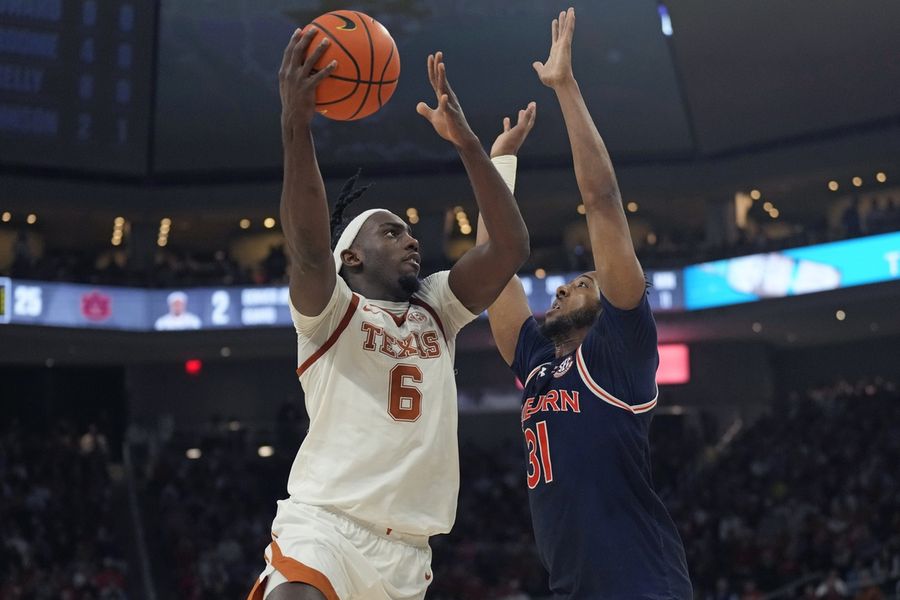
433 313
354 302
294 571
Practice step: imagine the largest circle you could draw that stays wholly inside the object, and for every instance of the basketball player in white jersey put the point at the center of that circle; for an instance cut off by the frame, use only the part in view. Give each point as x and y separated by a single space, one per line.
378 472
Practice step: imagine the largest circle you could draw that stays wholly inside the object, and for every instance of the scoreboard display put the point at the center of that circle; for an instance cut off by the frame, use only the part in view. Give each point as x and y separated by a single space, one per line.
135 309
75 83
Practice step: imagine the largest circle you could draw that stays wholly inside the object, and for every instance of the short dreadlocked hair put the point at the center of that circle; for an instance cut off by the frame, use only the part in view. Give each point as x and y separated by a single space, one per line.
349 193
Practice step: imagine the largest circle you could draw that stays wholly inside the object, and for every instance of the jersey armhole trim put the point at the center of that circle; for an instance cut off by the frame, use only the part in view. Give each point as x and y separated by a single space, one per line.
432 312
598 391
345 320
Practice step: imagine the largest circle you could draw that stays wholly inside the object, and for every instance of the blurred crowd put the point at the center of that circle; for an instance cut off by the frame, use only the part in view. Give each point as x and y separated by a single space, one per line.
804 502
59 538
809 493
807 497
665 247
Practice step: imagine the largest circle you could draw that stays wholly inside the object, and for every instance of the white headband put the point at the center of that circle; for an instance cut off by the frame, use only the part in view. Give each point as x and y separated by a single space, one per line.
349 235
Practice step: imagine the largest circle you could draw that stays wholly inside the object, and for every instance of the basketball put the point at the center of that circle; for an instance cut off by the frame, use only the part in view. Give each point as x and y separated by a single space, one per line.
368 65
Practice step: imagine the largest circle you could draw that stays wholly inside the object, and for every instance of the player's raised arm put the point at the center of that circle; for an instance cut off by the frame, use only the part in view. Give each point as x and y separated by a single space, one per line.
619 273
304 207
480 274
510 309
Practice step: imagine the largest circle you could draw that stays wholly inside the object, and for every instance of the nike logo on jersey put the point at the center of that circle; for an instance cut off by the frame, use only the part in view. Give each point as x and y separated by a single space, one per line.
554 400
424 344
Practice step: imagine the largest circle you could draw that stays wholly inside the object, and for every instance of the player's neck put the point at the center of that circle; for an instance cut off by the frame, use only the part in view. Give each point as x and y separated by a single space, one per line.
373 290
568 342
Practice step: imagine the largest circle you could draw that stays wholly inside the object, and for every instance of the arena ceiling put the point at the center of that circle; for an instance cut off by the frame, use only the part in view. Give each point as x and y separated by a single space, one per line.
779 96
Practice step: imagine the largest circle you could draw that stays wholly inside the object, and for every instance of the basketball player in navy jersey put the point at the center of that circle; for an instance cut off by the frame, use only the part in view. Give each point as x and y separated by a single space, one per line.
589 374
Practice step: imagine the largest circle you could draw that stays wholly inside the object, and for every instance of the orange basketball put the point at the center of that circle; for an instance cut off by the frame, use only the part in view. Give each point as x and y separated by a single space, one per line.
368 65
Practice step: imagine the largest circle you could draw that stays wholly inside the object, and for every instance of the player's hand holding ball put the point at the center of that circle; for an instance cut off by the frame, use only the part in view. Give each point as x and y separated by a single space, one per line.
447 119
344 65
557 69
297 82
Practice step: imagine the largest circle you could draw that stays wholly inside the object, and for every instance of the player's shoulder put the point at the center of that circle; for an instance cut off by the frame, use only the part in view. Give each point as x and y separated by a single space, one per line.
433 285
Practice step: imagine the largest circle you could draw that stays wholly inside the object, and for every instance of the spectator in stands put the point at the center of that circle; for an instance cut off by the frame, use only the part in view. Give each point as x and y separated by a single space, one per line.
57 526
833 588
851 220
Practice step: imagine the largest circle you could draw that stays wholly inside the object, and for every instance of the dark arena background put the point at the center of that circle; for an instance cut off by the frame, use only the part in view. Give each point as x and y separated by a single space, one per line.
757 146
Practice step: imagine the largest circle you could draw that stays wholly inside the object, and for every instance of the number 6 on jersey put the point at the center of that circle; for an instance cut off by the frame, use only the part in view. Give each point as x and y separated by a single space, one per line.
405 400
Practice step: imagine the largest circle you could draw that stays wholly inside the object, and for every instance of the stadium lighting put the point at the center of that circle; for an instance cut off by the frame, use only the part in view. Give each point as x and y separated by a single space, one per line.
880 177
540 273
857 181
118 231
165 225
632 207
269 223
265 451
833 185
757 327
755 194
665 21
31 219
6 217
580 208
244 223
193 453
840 315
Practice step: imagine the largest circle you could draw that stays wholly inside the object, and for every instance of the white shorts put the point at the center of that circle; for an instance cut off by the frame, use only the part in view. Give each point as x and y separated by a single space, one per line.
343 558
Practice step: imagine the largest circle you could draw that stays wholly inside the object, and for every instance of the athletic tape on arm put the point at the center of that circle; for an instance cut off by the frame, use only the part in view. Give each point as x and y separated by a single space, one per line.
506 166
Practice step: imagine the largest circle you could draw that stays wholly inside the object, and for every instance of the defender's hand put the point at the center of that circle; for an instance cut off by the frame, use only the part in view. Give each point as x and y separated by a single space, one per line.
511 139
557 69
447 119
297 83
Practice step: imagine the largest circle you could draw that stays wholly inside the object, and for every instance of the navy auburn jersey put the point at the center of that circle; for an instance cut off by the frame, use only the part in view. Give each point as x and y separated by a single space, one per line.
601 530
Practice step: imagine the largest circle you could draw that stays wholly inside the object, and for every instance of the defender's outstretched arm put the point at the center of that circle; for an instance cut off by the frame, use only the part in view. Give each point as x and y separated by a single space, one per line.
480 274
619 273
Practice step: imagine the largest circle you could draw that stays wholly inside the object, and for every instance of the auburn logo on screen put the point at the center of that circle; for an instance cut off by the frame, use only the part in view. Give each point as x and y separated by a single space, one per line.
96 306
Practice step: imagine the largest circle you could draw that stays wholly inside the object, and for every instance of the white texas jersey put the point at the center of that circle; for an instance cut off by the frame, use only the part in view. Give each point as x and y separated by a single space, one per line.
381 397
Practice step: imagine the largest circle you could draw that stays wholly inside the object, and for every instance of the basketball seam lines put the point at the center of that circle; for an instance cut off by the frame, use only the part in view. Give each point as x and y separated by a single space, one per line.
339 78
332 37
383 71
371 64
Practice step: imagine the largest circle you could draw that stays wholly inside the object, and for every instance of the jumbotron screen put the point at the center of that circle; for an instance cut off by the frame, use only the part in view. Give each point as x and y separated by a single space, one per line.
75 84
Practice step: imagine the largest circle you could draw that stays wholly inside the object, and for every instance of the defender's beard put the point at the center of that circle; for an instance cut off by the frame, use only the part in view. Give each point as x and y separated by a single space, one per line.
564 325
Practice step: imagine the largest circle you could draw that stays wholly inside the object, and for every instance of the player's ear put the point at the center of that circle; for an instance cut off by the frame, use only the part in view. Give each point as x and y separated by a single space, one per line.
350 258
